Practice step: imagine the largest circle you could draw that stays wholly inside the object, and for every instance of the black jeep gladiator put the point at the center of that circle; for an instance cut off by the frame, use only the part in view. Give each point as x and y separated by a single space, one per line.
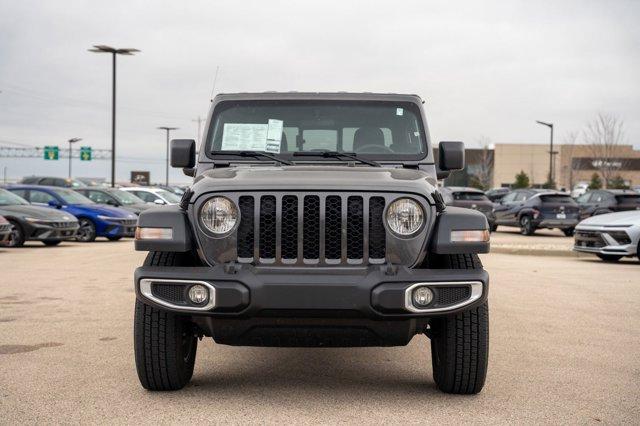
313 221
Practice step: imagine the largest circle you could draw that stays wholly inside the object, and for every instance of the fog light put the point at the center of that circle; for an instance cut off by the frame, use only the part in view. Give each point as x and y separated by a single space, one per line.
422 296
198 294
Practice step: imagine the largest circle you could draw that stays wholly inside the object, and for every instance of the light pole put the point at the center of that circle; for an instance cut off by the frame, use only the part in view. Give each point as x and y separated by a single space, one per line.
550 126
168 129
107 49
72 141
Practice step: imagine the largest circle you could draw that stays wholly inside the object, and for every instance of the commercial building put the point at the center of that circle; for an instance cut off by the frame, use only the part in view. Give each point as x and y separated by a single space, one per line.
572 164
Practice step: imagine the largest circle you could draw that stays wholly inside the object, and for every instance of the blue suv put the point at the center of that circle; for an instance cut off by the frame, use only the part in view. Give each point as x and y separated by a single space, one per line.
95 220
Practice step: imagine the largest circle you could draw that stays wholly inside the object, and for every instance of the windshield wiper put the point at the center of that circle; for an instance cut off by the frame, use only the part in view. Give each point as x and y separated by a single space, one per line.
254 154
335 154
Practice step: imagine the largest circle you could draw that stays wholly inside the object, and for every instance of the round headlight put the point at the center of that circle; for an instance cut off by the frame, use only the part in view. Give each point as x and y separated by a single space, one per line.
219 215
405 216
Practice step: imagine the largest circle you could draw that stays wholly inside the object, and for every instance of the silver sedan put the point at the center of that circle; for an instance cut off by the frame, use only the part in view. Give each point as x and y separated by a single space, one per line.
609 236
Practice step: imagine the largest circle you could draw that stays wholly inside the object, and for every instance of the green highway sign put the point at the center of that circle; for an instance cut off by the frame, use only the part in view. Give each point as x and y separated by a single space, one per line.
85 153
50 152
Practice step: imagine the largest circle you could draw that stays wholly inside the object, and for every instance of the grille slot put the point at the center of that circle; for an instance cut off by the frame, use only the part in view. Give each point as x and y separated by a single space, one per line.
452 295
311 229
169 292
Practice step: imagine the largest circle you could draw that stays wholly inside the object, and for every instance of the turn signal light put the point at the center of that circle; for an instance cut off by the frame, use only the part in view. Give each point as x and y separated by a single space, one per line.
473 236
154 233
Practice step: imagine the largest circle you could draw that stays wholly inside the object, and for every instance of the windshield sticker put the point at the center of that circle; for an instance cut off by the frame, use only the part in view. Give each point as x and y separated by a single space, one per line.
244 137
399 111
274 136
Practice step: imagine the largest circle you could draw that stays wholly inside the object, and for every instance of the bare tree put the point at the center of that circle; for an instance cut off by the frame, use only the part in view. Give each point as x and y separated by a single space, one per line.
603 136
484 171
569 143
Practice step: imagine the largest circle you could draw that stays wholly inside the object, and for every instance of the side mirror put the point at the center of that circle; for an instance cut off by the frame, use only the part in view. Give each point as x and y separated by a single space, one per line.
112 203
53 203
159 202
183 153
450 156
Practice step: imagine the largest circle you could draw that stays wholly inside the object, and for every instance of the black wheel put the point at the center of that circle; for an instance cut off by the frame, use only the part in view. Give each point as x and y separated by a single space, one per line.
568 232
16 237
460 342
493 228
609 257
51 243
165 344
526 225
118 238
87 231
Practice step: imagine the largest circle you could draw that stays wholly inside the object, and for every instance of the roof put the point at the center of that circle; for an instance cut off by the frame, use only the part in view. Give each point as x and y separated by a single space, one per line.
464 189
363 96
621 191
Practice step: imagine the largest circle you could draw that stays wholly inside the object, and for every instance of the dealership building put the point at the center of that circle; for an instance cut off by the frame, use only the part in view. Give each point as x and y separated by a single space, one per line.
498 165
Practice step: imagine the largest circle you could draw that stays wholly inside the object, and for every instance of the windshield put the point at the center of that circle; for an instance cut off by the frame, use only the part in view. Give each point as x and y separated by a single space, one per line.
168 196
469 196
376 130
9 199
125 198
72 197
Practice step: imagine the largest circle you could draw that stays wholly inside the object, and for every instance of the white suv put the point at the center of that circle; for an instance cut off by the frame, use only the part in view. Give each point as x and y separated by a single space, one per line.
153 195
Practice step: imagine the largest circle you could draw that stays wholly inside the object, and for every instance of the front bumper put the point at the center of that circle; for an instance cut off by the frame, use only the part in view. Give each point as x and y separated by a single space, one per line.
377 292
598 241
117 230
552 222
42 231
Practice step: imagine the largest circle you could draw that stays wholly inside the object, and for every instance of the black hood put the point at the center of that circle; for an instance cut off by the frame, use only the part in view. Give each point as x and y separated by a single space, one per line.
27 210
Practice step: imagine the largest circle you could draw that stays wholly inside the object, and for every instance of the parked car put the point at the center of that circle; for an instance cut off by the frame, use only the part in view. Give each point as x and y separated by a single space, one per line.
95 220
496 194
28 222
177 190
579 189
153 195
101 183
610 236
470 198
5 230
604 201
531 209
323 242
115 197
52 181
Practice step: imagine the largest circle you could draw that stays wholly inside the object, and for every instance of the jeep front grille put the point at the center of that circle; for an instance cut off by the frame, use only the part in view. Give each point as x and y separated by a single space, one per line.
330 229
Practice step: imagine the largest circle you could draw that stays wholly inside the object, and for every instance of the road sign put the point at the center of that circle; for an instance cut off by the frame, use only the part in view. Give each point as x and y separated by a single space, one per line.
51 153
85 153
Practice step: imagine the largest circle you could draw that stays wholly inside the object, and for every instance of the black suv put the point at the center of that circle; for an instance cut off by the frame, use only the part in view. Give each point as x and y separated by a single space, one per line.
53 181
470 198
314 220
603 201
531 209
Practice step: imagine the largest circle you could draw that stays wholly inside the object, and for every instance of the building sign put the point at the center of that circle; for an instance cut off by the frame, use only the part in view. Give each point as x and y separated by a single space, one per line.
51 153
141 178
589 163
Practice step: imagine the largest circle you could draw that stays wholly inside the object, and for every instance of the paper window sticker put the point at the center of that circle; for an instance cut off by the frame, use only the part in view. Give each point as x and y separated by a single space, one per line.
399 111
244 137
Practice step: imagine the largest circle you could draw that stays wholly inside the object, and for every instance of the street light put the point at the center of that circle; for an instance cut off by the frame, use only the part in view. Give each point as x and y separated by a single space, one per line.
168 129
107 49
550 126
72 141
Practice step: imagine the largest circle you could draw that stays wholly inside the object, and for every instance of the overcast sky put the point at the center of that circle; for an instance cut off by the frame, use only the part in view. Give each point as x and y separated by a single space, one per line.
484 68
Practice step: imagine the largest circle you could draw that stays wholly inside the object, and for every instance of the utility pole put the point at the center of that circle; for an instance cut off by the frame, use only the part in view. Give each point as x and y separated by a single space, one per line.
72 141
168 129
198 120
113 51
551 153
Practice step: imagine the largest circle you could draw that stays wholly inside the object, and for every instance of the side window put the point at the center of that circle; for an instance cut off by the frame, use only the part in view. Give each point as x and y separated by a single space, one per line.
97 196
509 197
321 139
46 181
40 197
20 193
522 196
60 182
597 197
583 198
146 196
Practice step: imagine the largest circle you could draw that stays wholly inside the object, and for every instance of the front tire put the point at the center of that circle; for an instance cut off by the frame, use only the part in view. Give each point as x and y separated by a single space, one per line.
568 232
51 243
17 236
165 344
526 225
118 238
87 231
460 342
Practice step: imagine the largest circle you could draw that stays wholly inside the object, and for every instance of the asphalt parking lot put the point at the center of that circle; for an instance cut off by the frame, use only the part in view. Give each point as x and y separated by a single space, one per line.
565 338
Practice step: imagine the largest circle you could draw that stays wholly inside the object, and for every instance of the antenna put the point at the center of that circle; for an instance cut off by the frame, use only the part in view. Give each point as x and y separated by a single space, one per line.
215 79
